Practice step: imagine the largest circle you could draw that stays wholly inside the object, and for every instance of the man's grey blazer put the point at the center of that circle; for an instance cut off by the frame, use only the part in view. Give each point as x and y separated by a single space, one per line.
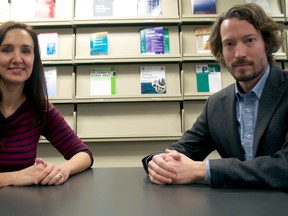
217 129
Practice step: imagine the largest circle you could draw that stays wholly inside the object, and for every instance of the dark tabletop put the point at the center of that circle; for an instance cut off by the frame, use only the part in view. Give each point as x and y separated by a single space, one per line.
128 192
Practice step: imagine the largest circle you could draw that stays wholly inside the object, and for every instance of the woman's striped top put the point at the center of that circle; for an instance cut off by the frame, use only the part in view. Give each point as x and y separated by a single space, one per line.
19 137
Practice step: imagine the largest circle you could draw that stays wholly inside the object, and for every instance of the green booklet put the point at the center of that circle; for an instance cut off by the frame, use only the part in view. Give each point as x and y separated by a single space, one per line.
102 81
208 77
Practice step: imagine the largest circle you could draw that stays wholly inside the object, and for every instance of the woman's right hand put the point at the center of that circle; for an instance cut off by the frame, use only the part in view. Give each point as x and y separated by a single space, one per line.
26 176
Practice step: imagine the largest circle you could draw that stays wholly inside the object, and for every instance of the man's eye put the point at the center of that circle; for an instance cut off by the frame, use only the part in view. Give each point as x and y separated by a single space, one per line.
250 40
228 45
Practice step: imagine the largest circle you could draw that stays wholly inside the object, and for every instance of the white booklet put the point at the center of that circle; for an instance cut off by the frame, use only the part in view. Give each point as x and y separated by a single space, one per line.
48 44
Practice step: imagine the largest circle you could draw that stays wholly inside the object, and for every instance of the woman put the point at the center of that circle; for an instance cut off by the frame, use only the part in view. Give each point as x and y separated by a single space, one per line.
26 114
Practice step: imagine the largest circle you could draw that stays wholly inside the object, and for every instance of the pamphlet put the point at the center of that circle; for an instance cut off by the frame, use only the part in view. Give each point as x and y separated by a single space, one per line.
203 6
149 8
202 35
152 40
262 3
208 77
99 43
48 44
21 9
51 80
4 9
125 8
103 7
102 81
153 79
45 9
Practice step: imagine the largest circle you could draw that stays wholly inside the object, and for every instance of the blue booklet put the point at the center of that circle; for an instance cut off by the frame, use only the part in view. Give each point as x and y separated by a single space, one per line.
99 43
203 6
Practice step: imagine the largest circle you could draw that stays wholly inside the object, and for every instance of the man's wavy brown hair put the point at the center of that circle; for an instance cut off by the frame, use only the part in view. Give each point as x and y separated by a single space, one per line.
271 31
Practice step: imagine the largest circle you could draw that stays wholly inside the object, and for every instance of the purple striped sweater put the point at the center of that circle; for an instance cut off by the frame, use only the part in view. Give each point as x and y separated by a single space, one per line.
19 140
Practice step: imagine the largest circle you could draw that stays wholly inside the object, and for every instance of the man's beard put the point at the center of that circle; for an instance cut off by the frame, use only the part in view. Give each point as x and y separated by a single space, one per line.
241 75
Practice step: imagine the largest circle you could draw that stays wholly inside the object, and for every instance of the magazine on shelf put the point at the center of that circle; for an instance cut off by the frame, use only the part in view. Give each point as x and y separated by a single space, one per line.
4 9
262 3
21 9
48 43
99 43
102 81
166 40
208 77
149 8
153 79
154 40
103 7
83 10
45 9
125 8
202 39
51 80
203 6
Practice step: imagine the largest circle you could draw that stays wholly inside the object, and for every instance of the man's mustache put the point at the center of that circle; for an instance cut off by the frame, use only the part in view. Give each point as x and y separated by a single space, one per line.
241 62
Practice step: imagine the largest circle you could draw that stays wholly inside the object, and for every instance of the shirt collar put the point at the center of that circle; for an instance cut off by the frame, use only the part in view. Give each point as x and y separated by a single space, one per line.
258 88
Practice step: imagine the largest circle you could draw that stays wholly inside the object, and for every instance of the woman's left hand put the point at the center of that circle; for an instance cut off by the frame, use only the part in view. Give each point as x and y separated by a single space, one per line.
52 174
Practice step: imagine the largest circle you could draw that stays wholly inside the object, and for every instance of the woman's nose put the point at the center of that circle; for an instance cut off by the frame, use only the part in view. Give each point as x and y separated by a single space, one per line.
16 57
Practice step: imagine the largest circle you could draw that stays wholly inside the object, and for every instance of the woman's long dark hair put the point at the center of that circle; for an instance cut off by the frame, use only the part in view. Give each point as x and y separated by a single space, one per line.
271 31
35 88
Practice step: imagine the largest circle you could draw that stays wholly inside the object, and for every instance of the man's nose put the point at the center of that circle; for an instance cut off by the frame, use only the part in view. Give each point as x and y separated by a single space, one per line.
240 50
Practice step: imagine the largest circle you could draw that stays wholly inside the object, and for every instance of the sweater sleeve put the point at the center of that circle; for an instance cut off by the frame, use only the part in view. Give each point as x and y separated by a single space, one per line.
57 131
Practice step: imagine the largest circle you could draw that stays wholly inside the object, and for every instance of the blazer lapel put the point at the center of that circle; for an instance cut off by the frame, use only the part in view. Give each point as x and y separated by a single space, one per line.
271 97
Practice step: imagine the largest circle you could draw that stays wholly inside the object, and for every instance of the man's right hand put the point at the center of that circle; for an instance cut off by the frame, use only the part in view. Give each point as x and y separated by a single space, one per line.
159 171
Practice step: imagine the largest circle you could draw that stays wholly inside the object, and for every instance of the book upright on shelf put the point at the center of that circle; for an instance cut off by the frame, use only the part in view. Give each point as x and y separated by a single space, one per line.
203 6
208 78
153 79
102 81
99 43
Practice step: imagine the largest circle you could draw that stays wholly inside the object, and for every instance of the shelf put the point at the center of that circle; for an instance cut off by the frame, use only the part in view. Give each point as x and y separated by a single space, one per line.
169 137
129 115
124 45
125 120
277 10
127 59
170 14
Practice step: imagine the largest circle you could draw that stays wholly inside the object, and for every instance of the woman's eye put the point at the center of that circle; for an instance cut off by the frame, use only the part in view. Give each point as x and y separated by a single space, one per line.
5 50
27 51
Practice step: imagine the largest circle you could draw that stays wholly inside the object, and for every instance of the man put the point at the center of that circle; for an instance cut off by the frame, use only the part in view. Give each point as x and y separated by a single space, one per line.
247 122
